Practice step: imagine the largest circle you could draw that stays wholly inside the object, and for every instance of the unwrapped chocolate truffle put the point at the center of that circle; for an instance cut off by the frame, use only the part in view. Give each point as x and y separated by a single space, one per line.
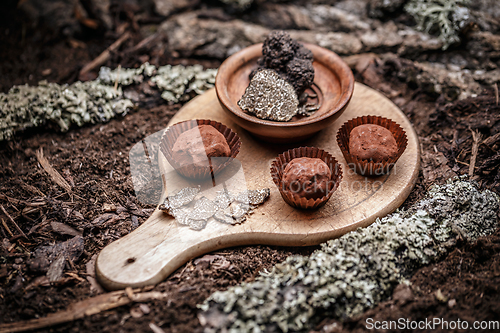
268 96
199 143
372 142
307 177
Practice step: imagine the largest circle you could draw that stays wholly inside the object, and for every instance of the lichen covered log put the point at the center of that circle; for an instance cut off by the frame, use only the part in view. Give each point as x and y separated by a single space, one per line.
81 103
350 274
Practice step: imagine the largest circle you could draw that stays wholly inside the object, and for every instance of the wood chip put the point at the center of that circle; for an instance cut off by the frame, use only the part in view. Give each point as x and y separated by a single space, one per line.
64 229
53 173
155 328
491 140
476 137
56 268
208 258
107 207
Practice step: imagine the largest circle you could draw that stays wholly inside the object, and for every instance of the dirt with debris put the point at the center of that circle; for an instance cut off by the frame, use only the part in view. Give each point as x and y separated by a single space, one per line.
100 206
464 285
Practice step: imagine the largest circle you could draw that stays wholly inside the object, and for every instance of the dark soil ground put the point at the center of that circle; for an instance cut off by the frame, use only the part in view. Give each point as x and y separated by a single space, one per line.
94 161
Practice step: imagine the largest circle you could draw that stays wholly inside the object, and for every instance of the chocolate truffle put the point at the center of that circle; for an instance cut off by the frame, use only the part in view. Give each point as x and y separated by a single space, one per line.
372 142
199 143
307 177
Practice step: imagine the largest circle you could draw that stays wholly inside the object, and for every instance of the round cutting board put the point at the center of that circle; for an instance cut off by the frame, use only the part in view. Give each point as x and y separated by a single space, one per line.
161 245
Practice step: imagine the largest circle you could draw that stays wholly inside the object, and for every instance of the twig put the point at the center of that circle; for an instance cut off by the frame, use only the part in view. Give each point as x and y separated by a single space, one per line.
21 202
56 176
142 43
3 233
29 210
117 78
104 56
496 93
7 228
32 189
454 141
129 292
155 328
75 276
23 214
13 222
476 137
491 140
78 310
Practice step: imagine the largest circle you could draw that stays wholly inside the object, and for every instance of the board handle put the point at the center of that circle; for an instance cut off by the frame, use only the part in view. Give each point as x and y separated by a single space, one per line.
157 248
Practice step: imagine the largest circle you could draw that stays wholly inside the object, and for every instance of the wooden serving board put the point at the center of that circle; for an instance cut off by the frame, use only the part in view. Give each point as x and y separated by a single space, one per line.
161 245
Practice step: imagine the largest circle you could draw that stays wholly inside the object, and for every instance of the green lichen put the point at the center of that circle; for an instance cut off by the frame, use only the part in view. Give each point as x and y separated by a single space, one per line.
79 103
356 271
95 101
179 83
445 17
176 83
126 76
461 205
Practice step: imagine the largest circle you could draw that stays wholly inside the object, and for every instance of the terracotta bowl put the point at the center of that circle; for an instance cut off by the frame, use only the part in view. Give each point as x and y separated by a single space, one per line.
333 84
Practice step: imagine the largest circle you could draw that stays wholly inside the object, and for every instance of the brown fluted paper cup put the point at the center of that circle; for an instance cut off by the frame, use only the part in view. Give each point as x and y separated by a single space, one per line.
199 171
369 167
293 199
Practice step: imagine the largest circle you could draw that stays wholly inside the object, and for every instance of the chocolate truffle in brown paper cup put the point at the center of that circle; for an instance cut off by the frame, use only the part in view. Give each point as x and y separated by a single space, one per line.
370 167
292 195
211 166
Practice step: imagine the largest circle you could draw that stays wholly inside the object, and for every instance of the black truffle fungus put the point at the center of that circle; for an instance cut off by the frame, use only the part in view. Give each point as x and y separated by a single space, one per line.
300 73
278 49
290 59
